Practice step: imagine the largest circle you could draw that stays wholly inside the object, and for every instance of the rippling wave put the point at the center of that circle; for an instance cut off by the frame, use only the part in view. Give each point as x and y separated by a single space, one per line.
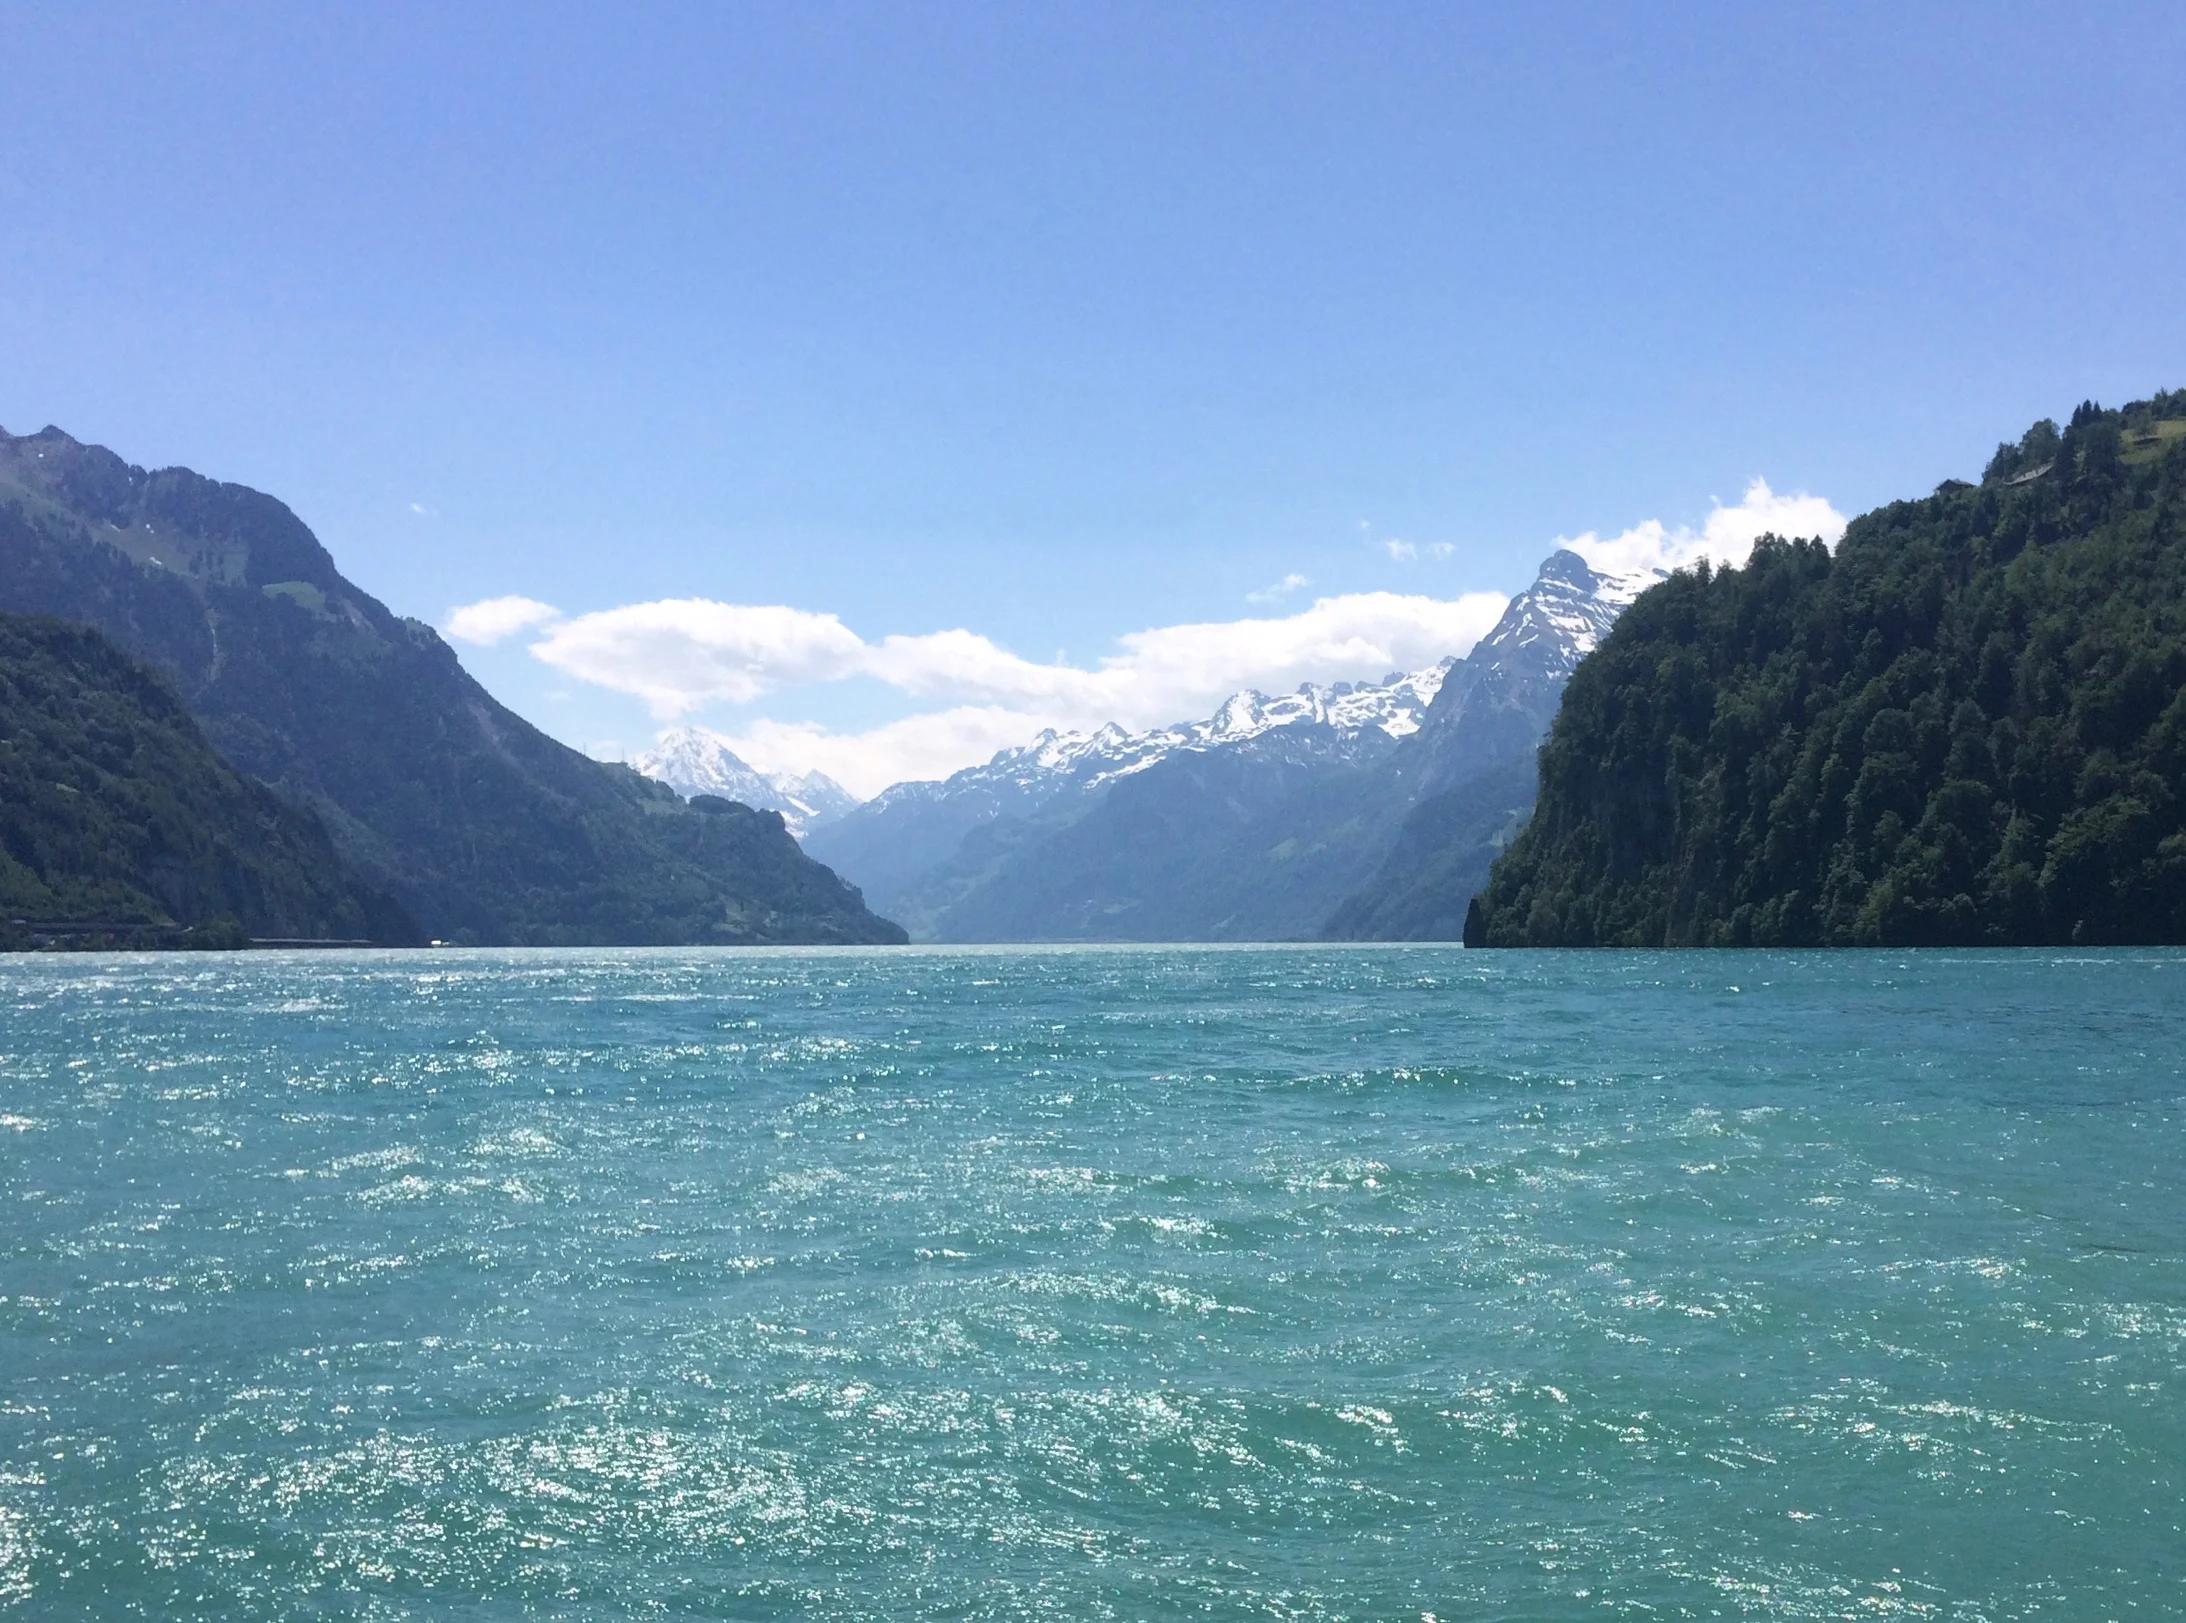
1286 1282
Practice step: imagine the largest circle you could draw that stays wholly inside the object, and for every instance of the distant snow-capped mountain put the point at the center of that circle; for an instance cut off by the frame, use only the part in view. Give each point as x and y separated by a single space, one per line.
911 827
694 761
1259 819
1351 712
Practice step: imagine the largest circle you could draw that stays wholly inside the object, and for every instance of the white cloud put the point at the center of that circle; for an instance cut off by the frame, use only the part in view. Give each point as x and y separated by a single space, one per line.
487 622
1170 673
680 653
1281 589
964 665
1726 538
1173 672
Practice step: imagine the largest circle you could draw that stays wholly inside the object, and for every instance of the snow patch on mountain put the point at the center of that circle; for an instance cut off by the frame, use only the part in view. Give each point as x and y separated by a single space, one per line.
1569 608
696 761
1090 761
949 855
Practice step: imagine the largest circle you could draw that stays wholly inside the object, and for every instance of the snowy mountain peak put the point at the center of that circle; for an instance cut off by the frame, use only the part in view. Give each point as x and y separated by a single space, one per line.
694 761
1239 716
1567 610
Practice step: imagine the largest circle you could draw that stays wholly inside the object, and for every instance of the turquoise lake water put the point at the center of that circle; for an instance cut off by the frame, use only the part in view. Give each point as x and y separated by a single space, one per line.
1284 1283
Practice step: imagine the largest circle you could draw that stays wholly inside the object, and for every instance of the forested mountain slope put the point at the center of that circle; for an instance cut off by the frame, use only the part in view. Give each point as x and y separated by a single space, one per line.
485 828
115 812
1967 727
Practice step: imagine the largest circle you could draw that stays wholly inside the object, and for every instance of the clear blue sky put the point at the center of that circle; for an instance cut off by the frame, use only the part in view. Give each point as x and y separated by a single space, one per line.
1058 322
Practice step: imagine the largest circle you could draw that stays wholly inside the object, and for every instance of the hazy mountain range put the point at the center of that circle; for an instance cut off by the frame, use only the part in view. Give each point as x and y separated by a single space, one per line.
1357 808
480 825
1965 727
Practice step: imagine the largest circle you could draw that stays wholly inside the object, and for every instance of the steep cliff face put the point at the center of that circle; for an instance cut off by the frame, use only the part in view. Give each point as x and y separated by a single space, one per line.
483 827
1465 784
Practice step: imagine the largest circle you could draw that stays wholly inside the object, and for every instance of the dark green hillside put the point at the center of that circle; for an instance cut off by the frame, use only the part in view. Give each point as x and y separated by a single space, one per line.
485 828
115 811
1968 727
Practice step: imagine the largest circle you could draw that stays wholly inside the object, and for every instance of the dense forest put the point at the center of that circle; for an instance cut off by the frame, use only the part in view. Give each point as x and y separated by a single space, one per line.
119 825
1967 727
